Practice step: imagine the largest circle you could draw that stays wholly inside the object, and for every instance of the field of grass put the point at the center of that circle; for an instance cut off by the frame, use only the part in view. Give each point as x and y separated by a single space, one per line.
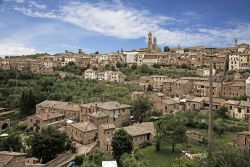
163 158
166 157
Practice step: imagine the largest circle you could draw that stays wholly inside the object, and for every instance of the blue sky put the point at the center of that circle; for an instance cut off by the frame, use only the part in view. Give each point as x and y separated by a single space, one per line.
31 26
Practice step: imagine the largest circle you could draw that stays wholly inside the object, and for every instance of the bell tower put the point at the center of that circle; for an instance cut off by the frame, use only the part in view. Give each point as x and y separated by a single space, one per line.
154 44
149 42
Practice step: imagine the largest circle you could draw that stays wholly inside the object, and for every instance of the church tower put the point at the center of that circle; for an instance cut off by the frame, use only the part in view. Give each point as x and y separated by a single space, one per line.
149 42
154 45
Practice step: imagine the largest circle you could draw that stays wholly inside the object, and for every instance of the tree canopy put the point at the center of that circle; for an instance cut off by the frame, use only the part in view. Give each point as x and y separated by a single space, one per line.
27 103
122 143
12 143
222 112
166 49
48 144
140 108
171 130
224 155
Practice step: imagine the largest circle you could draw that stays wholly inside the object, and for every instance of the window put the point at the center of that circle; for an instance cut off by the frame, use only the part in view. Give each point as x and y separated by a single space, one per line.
247 110
239 110
231 107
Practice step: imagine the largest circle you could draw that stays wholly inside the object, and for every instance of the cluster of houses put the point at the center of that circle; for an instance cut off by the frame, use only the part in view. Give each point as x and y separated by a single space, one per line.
110 76
197 86
91 122
231 58
169 105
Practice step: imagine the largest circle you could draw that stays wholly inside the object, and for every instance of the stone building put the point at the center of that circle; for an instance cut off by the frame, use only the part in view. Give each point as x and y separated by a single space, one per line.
243 139
202 89
217 103
167 105
12 159
232 89
105 136
195 79
44 119
90 74
248 86
195 104
68 109
145 82
182 87
168 86
239 61
136 95
118 113
220 62
5 64
83 132
235 110
141 132
157 81
204 72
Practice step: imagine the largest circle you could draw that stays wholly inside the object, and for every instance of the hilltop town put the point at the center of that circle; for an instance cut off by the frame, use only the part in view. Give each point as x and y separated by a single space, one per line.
91 97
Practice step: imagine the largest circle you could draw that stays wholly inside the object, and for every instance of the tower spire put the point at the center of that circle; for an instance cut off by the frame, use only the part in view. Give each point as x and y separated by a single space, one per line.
149 42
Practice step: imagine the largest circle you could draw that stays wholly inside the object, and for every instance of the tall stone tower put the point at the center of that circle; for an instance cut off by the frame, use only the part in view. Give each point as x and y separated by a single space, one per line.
149 42
154 45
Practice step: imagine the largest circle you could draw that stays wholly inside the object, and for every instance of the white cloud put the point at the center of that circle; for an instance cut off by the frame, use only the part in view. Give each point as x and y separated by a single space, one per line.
15 49
30 12
124 22
37 5
20 1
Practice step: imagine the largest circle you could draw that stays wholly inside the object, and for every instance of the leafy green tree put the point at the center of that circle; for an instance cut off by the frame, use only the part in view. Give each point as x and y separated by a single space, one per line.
12 143
89 164
171 130
223 112
97 156
156 65
27 103
119 65
71 67
145 69
219 126
166 49
134 66
113 68
78 160
122 143
187 162
224 155
48 144
140 108
128 160
107 67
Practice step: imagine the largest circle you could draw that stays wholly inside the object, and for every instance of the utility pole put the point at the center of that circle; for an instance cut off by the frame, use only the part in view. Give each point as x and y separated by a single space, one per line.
210 115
